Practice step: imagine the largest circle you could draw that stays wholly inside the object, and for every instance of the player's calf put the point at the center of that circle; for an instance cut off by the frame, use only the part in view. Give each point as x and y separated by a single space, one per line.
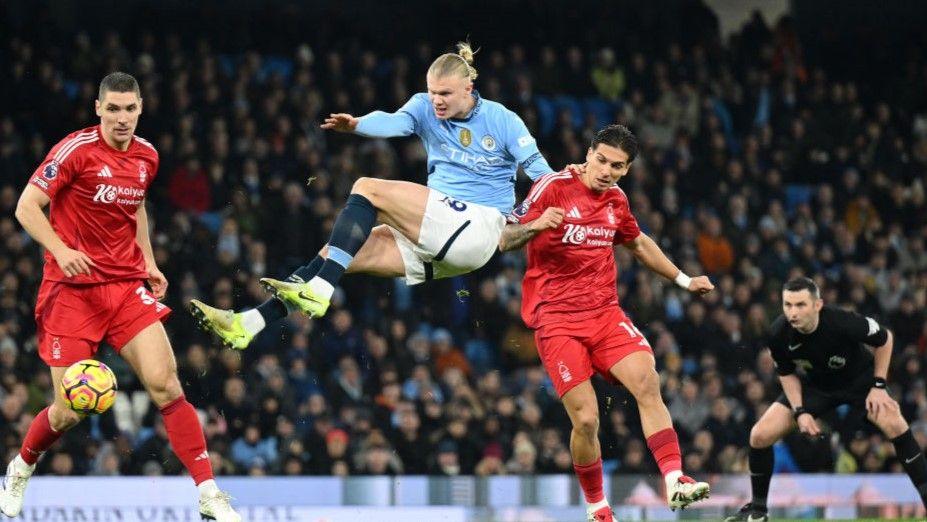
912 459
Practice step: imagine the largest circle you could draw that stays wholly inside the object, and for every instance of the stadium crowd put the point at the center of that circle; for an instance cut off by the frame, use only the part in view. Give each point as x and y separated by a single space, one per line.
755 166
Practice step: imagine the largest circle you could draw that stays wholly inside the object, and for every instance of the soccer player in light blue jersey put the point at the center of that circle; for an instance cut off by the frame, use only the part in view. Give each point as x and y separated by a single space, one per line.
448 228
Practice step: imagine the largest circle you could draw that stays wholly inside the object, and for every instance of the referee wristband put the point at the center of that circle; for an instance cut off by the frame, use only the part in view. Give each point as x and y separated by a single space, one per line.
878 382
797 412
683 280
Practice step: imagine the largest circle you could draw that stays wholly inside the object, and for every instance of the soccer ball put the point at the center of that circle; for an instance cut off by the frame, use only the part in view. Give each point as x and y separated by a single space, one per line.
89 387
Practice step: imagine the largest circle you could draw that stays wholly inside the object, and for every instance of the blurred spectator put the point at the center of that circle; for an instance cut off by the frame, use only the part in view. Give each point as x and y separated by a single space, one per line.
252 450
755 165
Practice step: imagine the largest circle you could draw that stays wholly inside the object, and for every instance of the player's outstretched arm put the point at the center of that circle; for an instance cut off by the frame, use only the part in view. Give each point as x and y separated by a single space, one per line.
377 124
515 236
650 255
340 122
30 214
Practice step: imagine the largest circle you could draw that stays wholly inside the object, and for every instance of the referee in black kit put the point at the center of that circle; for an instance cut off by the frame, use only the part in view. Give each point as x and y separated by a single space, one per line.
832 347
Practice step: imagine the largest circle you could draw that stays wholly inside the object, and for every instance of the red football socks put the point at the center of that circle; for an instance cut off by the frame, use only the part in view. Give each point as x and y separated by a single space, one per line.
39 438
590 479
664 445
187 439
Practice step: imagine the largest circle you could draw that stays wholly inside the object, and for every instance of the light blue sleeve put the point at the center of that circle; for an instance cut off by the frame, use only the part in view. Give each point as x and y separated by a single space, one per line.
524 148
405 121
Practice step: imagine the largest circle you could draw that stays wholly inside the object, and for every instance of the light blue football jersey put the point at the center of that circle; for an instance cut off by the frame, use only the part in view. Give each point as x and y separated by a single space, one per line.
472 159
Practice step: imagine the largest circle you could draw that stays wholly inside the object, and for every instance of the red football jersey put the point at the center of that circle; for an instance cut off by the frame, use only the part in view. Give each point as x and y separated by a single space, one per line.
95 191
571 275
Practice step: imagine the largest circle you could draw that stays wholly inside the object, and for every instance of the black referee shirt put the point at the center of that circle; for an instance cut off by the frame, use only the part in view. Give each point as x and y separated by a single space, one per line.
831 356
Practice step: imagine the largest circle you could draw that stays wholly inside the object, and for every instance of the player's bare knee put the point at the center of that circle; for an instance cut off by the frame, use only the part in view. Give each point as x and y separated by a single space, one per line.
760 438
165 390
323 253
891 422
365 187
587 423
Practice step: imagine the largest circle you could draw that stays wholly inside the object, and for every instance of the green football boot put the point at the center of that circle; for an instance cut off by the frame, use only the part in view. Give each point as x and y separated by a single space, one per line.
225 325
297 296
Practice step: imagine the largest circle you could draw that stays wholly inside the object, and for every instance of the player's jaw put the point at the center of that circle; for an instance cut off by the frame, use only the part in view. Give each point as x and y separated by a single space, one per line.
801 311
605 166
450 96
119 112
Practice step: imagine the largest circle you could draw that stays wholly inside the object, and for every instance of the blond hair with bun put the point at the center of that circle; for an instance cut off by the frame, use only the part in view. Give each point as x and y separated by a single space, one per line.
459 64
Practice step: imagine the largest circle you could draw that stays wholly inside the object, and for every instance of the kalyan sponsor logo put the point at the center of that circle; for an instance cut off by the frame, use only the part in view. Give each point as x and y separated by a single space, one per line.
586 234
110 193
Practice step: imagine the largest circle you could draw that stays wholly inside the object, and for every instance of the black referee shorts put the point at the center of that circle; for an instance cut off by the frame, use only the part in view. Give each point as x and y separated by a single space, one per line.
819 401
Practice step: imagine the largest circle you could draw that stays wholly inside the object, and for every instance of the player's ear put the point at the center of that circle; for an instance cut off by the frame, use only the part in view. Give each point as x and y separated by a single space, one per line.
97 107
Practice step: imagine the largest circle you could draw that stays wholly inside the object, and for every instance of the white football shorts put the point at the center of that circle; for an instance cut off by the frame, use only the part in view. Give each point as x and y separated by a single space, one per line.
456 237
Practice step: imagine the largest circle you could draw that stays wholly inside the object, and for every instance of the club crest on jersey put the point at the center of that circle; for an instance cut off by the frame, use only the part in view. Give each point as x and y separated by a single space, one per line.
50 171
836 362
488 143
611 214
466 138
142 172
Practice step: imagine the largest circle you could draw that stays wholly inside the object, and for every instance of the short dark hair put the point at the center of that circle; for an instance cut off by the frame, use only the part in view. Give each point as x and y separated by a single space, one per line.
118 82
802 283
617 136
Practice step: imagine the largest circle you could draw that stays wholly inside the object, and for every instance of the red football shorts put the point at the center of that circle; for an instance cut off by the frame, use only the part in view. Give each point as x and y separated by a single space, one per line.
570 352
73 319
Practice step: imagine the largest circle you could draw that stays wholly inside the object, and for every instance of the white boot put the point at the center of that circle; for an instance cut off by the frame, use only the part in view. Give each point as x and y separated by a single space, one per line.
684 491
18 474
214 504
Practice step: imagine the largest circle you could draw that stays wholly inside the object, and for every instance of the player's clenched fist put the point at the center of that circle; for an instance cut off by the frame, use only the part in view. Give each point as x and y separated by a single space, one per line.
701 285
73 262
549 220
340 122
